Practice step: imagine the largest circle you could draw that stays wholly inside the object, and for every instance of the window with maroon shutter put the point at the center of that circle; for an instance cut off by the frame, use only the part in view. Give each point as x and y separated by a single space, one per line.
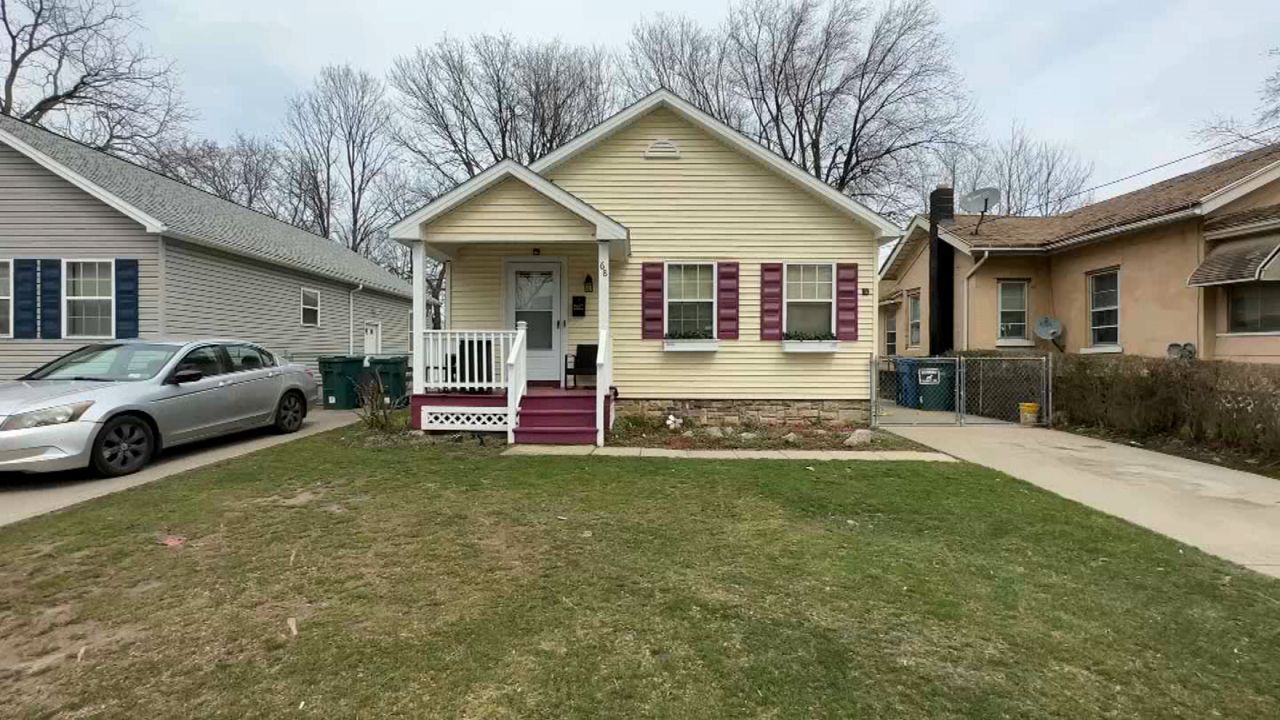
771 301
809 302
651 301
727 300
847 301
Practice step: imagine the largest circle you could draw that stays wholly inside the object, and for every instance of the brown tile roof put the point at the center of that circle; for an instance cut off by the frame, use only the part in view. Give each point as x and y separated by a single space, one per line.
1169 196
1243 217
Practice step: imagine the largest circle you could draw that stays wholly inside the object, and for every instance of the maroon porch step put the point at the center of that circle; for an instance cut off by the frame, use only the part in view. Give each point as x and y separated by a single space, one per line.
557 417
556 435
559 402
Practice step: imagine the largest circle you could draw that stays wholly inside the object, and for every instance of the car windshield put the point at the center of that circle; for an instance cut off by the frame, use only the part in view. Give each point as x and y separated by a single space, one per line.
122 362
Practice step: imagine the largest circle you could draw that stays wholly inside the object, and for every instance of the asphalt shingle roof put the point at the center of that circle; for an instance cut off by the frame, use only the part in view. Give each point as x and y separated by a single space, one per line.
186 211
1235 261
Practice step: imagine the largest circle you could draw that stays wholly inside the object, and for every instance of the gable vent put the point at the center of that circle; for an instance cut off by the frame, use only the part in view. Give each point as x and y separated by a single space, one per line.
662 149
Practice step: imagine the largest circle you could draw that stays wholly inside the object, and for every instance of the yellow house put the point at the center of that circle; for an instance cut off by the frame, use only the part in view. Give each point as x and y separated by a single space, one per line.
661 262
1190 265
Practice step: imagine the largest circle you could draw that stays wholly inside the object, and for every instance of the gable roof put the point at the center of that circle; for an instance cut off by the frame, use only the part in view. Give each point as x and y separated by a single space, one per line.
405 230
165 206
606 227
1190 194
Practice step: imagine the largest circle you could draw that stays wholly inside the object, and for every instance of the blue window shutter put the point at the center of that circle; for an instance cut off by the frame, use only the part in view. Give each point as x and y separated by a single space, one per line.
24 298
126 298
51 299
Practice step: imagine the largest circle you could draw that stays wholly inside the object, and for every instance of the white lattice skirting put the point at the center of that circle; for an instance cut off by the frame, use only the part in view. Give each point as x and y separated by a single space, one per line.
479 419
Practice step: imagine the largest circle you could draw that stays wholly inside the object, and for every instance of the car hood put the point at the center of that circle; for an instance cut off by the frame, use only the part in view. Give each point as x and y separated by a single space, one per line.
20 395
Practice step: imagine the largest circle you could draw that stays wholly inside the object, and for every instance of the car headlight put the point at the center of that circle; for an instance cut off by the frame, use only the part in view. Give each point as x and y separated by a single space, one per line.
46 416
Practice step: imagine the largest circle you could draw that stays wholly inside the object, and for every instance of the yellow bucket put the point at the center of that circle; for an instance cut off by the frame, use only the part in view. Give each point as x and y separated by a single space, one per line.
1029 413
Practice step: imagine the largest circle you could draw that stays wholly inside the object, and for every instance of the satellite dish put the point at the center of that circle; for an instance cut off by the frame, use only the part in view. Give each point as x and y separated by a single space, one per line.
981 201
1048 328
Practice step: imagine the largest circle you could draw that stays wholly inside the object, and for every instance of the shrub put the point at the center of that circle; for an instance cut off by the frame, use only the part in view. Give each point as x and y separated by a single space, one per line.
377 412
1211 403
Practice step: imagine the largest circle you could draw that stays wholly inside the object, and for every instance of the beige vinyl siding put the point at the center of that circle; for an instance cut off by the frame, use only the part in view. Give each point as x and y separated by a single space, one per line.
43 216
715 204
477 296
509 211
209 293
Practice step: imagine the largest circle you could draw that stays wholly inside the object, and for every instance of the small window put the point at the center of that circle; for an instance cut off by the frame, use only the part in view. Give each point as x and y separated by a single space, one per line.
809 302
89 292
1104 308
1253 307
6 298
891 337
205 359
248 357
913 320
691 301
310 307
1013 309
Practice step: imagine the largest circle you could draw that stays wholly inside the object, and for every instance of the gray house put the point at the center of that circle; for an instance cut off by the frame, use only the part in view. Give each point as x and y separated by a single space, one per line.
93 247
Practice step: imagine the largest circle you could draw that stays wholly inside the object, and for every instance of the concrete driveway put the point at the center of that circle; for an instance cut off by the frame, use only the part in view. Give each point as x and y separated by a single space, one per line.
1231 514
24 496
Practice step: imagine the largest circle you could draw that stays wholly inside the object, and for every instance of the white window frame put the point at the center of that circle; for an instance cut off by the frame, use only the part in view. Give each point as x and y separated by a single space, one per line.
914 298
1026 309
1104 347
66 298
715 303
786 267
303 307
8 262
891 330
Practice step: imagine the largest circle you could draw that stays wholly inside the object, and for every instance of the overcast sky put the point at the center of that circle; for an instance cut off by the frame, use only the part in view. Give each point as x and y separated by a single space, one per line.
1123 81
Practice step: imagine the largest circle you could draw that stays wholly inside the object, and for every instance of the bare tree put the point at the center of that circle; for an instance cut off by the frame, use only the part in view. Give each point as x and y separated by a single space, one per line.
247 171
72 66
1235 136
856 96
468 105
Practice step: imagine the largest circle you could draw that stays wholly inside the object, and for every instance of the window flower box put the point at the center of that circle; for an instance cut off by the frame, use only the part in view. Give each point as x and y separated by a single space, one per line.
690 345
810 346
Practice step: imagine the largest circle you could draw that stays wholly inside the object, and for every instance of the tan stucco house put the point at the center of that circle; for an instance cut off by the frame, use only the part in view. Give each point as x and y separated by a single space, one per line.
661 262
1191 261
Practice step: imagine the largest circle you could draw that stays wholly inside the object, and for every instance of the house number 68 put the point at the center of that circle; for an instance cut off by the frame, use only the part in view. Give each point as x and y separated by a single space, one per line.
604 269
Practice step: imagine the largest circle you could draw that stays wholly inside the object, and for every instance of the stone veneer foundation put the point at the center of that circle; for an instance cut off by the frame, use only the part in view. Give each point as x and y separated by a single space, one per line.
743 412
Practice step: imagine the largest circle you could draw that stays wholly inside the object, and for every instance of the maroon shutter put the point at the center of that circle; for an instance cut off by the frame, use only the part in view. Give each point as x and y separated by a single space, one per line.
847 301
771 301
727 300
651 301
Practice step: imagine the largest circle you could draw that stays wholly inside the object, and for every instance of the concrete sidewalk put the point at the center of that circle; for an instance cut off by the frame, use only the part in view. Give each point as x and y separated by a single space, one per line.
813 455
1231 514
24 496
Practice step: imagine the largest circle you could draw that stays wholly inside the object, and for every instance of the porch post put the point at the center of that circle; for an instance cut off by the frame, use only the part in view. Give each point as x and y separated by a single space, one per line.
419 317
604 376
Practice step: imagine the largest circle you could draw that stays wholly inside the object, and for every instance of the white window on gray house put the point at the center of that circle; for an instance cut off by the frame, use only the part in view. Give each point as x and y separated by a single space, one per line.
1253 307
1013 309
89 292
1104 308
809 302
310 307
913 320
891 336
691 301
6 298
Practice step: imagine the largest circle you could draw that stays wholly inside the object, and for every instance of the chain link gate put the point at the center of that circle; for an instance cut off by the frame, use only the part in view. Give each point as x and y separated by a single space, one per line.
969 390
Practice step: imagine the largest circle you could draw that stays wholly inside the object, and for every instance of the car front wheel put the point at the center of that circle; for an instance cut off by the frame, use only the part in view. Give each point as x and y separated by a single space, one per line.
290 412
125 445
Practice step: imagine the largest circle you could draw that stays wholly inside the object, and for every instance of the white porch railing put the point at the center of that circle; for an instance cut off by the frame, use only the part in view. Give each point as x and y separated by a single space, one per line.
517 379
468 359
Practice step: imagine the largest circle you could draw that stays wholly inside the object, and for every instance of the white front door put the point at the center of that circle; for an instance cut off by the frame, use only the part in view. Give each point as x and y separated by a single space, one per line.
372 338
534 298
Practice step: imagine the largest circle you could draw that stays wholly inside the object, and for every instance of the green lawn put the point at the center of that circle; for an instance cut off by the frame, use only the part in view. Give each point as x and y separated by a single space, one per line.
445 581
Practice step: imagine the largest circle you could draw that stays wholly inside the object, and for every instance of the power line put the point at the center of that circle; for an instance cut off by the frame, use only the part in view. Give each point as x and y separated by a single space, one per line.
1131 176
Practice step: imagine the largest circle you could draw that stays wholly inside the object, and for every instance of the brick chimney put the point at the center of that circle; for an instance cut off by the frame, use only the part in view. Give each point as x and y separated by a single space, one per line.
941 273
942 204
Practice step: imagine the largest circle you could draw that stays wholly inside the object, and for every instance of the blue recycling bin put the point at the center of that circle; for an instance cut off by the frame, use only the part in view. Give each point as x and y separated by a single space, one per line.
908 383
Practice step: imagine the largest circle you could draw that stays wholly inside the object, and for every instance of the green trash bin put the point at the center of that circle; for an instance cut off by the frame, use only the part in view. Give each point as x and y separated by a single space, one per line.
936 384
338 376
393 372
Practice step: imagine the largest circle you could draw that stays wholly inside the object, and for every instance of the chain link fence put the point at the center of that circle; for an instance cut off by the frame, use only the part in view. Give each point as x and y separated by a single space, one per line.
966 390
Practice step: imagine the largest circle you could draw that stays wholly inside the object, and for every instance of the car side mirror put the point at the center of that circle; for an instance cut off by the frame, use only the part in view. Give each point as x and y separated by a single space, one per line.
185 374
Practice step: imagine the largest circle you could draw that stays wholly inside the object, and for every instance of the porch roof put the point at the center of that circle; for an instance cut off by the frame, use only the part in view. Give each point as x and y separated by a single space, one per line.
410 230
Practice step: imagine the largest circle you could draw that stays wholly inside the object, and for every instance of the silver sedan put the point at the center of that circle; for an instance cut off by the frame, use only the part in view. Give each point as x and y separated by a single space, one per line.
112 406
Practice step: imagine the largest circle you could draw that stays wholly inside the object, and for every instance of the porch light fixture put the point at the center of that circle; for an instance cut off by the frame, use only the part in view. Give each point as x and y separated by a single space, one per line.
588 285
